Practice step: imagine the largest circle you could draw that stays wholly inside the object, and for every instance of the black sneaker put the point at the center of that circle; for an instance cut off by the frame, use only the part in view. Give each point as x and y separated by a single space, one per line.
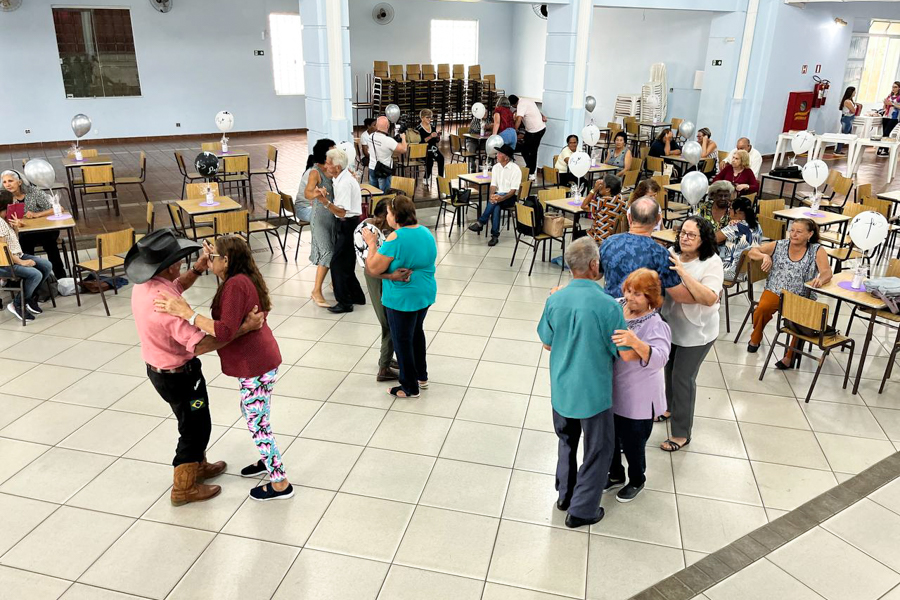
253 470
613 484
572 521
629 492
476 227
33 307
494 241
752 349
266 492
14 309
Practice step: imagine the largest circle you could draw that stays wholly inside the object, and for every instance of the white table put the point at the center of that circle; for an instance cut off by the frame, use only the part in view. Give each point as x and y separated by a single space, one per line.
782 147
848 139
891 144
867 125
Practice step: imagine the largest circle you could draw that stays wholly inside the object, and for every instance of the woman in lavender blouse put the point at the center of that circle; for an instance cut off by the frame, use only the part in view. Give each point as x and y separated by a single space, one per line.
639 387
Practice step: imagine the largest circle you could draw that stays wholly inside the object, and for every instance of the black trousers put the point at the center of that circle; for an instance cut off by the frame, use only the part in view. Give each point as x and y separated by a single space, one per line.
48 240
408 335
434 156
631 438
532 144
887 126
583 487
347 289
186 395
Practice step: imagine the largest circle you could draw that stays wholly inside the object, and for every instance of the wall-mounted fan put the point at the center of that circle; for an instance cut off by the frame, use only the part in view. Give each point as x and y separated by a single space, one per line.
383 13
10 5
540 10
162 6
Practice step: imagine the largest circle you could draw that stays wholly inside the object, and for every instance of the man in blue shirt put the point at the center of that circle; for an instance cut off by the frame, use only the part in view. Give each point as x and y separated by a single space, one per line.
577 327
624 253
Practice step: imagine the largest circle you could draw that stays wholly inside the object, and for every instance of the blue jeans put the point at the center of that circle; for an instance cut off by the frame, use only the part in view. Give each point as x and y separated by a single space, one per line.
509 137
846 127
383 184
33 276
494 212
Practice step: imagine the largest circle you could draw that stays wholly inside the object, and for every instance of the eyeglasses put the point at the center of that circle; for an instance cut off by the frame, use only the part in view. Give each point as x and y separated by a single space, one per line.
213 255
688 235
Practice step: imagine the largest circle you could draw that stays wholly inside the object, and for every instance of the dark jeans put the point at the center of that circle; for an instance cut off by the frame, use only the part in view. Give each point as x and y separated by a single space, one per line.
631 438
343 264
409 344
186 395
493 212
531 145
583 487
846 127
383 183
434 156
48 240
33 276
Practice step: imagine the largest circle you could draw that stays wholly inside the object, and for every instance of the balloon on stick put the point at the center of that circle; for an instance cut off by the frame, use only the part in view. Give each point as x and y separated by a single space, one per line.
686 130
207 164
590 135
579 164
492 144
590 103
694 186
691 152
802 142
40 173
868 230
478 110
392 112
224 121
815 173
81 124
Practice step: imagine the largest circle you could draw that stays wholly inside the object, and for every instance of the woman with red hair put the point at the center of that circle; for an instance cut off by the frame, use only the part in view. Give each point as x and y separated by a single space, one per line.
639 387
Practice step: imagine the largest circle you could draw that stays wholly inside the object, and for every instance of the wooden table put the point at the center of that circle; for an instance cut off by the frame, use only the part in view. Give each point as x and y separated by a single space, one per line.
70 164
369 191
27 226
666 236
894 197
231 152
194 209
784 181
598 169
827 218
864 300
562 205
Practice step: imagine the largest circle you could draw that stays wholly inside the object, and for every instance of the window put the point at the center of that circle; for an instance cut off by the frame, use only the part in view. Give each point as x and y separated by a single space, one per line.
96 52
881 66
454 42
287 53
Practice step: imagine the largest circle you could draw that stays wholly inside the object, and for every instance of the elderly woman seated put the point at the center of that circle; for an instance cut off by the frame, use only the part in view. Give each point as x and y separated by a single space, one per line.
739 173
716 208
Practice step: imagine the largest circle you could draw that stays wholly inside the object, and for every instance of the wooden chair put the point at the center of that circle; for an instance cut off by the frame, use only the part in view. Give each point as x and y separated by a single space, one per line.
452 200
196 233
404 185
708 167
630 180
772 229
188 176
732 287
15 285
862 191
294 223
275 217
458 149
415 160
676 125
755 274
140 179
109 248
525 217
452 171
380 68
100 180
723 154
211 147
443 71
85 152
767 208
797 310
550 176
557 193
234 222
197 191
272 165
459 71
413 72
654 164
475 72
236 173
428 72
396 72
841 187
151 220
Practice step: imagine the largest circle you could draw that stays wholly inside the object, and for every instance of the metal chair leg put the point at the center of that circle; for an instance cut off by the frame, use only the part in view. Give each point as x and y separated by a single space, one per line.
769 356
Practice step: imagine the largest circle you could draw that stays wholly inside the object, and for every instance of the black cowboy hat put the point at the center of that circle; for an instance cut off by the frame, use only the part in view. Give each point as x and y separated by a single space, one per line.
507 150
154 252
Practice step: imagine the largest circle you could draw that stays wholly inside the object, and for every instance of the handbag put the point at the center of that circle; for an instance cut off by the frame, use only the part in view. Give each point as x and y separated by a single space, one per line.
556 225
382 171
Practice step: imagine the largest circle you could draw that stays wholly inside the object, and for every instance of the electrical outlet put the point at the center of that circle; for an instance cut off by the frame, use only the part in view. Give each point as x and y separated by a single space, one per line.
177 124
259 53
27 131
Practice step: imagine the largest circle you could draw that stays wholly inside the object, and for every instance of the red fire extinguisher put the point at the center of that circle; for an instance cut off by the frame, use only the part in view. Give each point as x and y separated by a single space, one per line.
820 91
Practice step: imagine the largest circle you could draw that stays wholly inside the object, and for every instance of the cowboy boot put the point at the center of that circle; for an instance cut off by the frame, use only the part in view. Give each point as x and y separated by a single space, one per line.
208 470
186 489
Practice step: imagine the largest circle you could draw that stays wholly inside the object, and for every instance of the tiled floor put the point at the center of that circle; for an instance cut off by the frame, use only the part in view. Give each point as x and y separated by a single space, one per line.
452 492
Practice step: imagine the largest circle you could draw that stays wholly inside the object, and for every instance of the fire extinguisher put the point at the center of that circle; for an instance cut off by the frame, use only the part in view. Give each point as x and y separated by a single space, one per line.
820 91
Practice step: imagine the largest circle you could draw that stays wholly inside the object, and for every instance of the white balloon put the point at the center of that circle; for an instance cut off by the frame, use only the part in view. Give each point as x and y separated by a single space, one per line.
686 129
802 142
40 173
492 144
392 112
81 124
579 164
350 150
868 230
694 186
478 110
224 121
691 152
653 101
815 172
590 135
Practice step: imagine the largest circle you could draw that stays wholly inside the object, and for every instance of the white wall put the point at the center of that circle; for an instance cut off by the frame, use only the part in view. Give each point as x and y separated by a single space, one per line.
626 42
192 62
529 47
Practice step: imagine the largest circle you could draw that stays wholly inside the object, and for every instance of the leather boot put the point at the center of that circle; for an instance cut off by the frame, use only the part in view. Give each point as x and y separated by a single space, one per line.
186 489
208 470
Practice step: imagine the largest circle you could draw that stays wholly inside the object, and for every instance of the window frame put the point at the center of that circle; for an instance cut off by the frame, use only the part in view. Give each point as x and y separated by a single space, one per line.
477 24
272 51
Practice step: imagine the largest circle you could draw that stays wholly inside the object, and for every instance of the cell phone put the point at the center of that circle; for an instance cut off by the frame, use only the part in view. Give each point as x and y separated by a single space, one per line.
16 209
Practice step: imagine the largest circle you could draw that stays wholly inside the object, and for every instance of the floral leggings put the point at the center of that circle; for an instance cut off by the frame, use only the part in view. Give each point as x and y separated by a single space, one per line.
256 398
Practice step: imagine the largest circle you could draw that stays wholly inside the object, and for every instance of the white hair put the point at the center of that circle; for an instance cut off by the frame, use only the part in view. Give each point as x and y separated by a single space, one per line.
580 254
338 157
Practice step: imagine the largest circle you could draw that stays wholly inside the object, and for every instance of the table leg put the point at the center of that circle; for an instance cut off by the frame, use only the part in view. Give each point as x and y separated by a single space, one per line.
865 349
72 200
837 311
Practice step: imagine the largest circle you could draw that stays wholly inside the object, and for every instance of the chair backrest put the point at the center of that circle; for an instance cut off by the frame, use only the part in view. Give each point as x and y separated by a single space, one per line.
151 217
455 143
525 189
767 208
709 165
6 259
525 173
443 187
551 176
630 178
654 164
413 72
755 272
636 163
236 165
525 215
454 170
85 152
380 68
863 191
376 200
118 242
842 185
676 124
878 205
179 159
723 154
475 72
491 79
100 175
175 215
417 151
644 152
195 191
428 71
772 228
463 130
459 71
211 146
661 180
803 311
237 221
851 209
893 268
405 185
272 153
443 71
273 203
632 128
551 194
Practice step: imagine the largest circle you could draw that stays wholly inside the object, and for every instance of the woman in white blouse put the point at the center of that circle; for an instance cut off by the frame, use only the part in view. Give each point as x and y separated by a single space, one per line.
694 324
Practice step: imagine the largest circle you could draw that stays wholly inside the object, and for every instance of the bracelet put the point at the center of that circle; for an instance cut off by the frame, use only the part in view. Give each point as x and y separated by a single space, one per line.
196 271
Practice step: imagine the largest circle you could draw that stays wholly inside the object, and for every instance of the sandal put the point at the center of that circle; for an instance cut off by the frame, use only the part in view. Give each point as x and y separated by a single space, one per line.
397 392
673 446
662 417
423 384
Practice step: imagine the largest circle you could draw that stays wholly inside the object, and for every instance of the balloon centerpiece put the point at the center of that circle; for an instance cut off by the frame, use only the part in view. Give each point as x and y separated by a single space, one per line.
867 231
815 173
691 152
590 135
686 130
694 186
801 143
590 103
579 165
225 123
81 124
40 173
207 164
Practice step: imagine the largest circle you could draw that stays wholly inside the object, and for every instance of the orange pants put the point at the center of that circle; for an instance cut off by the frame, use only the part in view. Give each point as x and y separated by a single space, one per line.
765 310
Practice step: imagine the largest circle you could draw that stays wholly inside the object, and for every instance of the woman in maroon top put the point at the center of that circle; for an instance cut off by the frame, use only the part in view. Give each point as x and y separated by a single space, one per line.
739 173
253 358
504 122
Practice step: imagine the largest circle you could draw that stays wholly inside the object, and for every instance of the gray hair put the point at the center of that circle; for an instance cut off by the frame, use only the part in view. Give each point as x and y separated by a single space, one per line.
503 101
644 211
338 157
721 186
580 254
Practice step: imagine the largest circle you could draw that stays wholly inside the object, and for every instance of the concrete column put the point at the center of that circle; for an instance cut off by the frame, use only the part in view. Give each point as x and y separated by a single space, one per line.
565 74
326 52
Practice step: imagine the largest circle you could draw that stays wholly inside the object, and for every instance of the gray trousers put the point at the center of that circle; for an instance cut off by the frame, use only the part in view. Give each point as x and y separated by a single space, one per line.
373 284
583 487
681 385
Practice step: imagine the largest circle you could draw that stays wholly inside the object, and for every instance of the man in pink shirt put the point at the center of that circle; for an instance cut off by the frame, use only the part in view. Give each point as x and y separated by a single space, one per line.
169 347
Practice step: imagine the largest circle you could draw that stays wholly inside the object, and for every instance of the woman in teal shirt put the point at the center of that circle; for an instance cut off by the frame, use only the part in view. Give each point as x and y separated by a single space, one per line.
411 246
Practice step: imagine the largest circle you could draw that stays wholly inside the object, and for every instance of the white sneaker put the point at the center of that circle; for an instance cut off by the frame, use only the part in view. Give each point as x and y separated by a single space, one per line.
532 177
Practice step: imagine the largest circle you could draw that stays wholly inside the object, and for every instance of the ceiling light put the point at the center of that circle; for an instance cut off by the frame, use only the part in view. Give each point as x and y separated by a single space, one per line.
840 22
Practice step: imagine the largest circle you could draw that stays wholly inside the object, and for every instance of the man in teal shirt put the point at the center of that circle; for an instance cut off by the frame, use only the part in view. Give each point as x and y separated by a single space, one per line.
577 327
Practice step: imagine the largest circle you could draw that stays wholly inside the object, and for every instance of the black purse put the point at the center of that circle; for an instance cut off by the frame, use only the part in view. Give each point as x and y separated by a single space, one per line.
382 171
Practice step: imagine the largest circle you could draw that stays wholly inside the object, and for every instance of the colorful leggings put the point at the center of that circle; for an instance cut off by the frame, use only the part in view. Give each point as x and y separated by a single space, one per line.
256 397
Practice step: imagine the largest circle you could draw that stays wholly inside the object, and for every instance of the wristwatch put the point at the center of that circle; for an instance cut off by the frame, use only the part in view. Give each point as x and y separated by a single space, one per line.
193 319
196 271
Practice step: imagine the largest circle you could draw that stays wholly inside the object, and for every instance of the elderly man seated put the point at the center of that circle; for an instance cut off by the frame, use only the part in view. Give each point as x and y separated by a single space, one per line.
577 327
